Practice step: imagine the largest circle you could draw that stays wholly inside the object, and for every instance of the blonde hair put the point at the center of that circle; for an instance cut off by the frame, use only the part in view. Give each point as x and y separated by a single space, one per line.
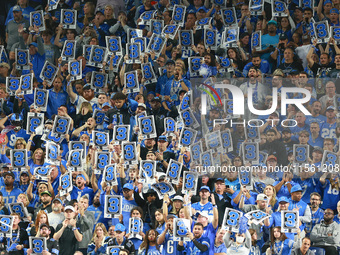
21 140
86 105
101 225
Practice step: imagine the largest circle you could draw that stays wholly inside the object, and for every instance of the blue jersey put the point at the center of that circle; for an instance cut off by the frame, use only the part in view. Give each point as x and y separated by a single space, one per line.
319 119
97 211
13 136
193 250
127 207
308 187
317 216
160 228
77 193
55 100
208 232
275 221
151 251
316 142
247 201
302 208
283 192
220 249
328 130
295 131
330 196
10 197
208 207
285 248
169 245
234 185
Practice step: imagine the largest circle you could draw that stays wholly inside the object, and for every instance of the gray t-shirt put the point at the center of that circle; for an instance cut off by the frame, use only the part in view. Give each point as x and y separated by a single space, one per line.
12 31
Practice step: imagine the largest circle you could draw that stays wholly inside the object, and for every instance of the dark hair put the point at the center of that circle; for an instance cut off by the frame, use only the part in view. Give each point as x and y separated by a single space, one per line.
139 209
199 224
145 243
212 58
282 238
119 96
271 131
306 9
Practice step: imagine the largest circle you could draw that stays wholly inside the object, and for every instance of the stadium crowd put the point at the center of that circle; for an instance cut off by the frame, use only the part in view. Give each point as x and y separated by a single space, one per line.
152 57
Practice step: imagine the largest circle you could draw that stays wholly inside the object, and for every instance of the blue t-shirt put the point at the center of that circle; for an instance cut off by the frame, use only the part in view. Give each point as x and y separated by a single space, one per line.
151 251
266 41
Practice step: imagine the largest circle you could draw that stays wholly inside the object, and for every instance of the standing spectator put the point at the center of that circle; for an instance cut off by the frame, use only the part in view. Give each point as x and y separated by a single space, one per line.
68 233
198 243
18 21
56 217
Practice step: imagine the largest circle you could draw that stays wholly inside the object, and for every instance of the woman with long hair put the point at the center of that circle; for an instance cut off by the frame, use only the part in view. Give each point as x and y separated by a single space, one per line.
208 67
137 212
88 9
160 221
38 159
280 243
255 249
84 114
287 26
149 246
41 218
270 192
99 240
239 58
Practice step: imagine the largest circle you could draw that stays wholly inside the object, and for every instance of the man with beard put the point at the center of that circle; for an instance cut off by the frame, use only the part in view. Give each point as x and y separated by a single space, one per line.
315 139
326 234
68 233
269 41
291 65
274 146
121 240
80 189
319 70
87 128
15 245
96 208
174 86
204 205
316 116
46 203
160 113
287 141
56 216
9 193
52 245
258 63
330 99
259 92
198 244
317 212
149 145
88 95
86 223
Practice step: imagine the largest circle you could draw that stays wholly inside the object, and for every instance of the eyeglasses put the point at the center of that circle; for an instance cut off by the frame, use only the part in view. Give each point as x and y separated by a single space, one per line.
329 213
20 144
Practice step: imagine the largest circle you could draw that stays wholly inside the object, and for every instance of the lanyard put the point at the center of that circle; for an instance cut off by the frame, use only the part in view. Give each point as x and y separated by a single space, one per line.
277 250
255 97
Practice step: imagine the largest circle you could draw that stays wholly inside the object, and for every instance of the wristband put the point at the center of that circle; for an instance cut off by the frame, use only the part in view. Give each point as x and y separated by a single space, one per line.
74 228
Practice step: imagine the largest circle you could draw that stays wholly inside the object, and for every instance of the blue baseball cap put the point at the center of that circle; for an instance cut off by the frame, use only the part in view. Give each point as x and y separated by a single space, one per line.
220 179
120 227
296 188
334 10
283 199
128 186
162 138
34 44
100 10
106 104
327 2
205 187
272 22
331 107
